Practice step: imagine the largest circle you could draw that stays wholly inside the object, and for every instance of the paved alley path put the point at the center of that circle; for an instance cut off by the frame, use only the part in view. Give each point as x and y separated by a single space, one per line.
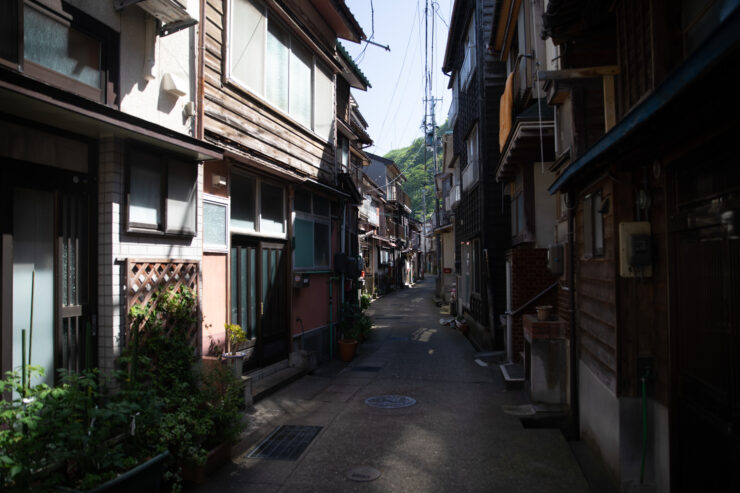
456 438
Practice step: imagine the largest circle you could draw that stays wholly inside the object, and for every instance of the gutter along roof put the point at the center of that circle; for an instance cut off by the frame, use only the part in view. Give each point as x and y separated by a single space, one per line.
724 40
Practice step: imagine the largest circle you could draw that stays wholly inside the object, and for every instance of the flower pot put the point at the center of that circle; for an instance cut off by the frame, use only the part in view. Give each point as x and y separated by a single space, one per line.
347 348
144 478
236 360
544 312
216 458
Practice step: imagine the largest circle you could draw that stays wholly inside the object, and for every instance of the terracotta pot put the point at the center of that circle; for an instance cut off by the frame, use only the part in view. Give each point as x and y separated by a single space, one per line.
544 312
347 348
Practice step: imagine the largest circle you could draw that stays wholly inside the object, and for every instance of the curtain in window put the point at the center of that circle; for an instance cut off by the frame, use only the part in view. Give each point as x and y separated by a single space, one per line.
243 200
271 209
276 67
324 103
301 63
247 44
181 204
145 194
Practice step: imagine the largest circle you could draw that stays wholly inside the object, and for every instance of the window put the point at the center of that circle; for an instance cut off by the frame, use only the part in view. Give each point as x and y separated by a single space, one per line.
470 173
65 47
257 207
161 193
452 113
343 154
267 60
475 266
468 66
215 224
593 226
312 231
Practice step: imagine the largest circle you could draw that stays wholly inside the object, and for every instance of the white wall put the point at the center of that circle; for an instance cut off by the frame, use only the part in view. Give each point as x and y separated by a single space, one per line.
144 55
114 245
599 418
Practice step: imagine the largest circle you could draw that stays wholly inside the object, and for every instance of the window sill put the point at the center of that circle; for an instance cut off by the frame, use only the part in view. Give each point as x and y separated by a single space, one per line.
159 233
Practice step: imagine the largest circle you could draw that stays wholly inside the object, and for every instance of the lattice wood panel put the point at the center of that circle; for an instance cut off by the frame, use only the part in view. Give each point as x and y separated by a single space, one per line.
145 278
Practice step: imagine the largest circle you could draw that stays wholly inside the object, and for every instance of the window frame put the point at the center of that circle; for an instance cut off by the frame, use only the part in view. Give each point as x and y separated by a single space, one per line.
318 65
313 218
258 181
164 161
221 201
593 237
81 22
467 171
470 54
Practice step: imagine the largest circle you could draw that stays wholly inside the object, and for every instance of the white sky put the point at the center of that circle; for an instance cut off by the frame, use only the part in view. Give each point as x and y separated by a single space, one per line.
393 106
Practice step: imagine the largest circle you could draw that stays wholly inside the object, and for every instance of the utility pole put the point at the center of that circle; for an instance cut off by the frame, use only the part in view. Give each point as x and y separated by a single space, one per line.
429 112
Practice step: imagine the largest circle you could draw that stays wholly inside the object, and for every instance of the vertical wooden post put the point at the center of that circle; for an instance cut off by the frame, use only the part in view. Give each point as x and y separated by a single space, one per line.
610 117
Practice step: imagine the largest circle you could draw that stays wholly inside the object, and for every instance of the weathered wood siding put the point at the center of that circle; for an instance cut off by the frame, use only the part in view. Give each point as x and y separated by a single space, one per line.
596 305
236 119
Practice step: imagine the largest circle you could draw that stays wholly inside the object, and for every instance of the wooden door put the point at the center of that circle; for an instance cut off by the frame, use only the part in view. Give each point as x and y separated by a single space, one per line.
706 311
259 297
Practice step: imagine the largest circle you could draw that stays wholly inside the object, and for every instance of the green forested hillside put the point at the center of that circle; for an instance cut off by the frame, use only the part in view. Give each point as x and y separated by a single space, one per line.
410 160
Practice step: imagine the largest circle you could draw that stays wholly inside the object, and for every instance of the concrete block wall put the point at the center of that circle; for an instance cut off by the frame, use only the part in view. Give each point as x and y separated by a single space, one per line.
115 245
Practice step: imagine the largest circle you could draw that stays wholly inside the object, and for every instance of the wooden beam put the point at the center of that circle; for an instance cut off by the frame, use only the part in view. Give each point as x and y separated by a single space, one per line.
579 73
610 117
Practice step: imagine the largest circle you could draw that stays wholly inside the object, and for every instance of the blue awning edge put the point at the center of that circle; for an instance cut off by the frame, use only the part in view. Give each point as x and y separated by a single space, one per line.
707 55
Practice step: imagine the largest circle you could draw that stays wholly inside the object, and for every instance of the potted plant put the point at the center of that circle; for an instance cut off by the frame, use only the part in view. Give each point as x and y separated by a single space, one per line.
235 357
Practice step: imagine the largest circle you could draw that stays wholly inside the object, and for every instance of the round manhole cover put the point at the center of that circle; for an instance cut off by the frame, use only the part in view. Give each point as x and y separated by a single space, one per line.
390 401
363 473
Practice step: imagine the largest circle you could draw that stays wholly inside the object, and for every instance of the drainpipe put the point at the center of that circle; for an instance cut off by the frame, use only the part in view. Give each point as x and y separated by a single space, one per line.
509 346
575 414
341 249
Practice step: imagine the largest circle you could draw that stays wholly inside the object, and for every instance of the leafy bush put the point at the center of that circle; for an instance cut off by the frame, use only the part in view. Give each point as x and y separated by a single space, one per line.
81 434
365 302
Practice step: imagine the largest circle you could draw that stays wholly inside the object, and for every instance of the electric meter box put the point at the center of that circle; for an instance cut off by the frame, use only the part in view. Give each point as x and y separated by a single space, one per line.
635 249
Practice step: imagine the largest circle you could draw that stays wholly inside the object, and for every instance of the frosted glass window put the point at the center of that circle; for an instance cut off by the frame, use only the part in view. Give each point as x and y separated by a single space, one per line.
61 48
301 64
272 218
145 191
247 44
33 255
321 244
243 202
276 67
215 235
304 243
302 201
181 203
252 292
324 103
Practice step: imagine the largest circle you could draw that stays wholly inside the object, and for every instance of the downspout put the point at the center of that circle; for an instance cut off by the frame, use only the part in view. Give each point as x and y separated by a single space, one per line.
341 249
574 406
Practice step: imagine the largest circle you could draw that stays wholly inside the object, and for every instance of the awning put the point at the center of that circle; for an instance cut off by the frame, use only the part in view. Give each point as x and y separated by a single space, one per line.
31 100
714 49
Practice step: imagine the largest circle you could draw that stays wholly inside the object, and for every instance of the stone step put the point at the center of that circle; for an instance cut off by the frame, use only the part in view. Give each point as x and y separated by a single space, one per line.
513 374
275 381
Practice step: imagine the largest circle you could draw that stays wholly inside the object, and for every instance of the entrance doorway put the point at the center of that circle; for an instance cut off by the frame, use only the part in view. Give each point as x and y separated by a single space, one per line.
47 257
706 314
259 298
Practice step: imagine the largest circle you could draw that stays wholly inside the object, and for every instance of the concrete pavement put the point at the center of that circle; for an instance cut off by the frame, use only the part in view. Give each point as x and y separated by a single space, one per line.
455 438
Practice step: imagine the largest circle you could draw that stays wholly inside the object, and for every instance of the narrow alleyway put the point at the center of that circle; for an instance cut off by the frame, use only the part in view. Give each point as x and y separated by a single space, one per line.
455 438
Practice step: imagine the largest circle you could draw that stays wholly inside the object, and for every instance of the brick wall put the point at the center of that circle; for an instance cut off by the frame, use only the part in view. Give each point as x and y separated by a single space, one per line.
529 277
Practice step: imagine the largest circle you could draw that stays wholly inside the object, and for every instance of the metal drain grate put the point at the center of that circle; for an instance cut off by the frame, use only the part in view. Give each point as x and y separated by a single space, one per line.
366 368
285 443
390 401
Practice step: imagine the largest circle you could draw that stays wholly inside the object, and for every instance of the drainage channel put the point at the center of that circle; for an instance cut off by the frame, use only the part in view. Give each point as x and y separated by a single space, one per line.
285 443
